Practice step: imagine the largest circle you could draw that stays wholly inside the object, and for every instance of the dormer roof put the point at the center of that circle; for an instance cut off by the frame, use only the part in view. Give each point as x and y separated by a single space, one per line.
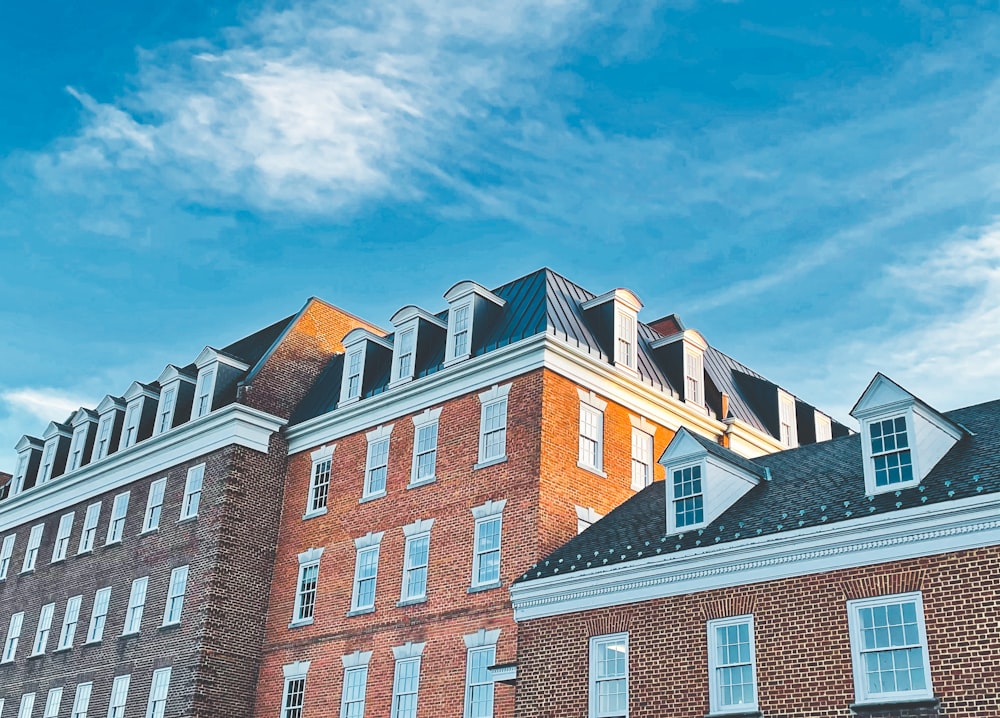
28 442
411 311
172 372
110 402
465 288
137 389
883 395
209 355
690 336
83 415
687 445
624 296
360 334
56 429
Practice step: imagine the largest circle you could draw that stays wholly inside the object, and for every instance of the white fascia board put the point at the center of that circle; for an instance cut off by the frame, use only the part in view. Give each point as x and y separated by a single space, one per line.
234 424
927 530
766 443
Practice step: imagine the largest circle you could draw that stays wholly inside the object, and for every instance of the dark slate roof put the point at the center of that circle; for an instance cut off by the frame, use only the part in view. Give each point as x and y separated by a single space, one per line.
250 349
812 485
728 455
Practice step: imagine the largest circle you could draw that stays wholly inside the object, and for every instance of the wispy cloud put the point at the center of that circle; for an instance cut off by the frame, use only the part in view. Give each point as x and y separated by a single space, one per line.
40 403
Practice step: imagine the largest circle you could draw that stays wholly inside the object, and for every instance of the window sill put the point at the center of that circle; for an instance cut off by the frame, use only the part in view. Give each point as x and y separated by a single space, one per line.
411 601
169 626
126 636
741 713
455 360
147 532
490 462
85 552
302 622
591 469
92 643
34 656
484 587
188 519
360 611
7 663
64 649
57 560
25 571
116 542
876 705
422 482
313 514
371 497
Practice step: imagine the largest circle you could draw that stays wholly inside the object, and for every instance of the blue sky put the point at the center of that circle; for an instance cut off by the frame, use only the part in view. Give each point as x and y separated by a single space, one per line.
813 186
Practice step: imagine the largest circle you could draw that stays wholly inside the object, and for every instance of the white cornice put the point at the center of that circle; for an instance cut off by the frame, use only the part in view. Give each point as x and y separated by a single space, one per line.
234 424
907 533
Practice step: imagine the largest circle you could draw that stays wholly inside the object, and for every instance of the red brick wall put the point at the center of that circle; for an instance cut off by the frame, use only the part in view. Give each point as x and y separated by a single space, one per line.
802 643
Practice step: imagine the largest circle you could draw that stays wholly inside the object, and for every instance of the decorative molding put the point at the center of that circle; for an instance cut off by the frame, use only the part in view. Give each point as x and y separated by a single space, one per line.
323 452
408 650
295 670
368 540
356 659
420 526
490 508
741 604
311 555
481 638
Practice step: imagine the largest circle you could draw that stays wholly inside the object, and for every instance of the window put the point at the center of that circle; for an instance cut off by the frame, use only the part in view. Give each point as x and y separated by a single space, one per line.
130 432
72 616
352 701
688 500
425 436
591 454
625 340
481 653
154 504
609 676
788 434
165 416
103 443
642 459
192 492
116 527
19 474
319 484
406 680
294 693
694 376
203 393
52 703
404 364
136 603
889 648
460 332
158 687
27 705
354 366
585 518
486 549
48 457
89 532
13 635
6 551
99 614
732 670
175 596
890 452
31 553
81 700
305 592
824 429
42 632
415 555
119 696
365 572
377 462
493 425
62 537
76 447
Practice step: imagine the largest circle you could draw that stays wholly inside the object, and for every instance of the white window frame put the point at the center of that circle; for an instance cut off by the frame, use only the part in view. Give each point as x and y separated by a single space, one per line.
174 605
31 551
6 551
456 352
403 371
193 486
595 679
478 644
351 392
88 534
355 684
416 532
99 615
13 637
788 429
626 339
861 693
675 499
405 656
591 437
61 545
824 427
871 487
136 606
154 506
102 441
130 426
81 700
76 446
494 397
306 587
487 514
643 433
43 629
426 422
71 619
366 546
694 376
320 478
165 409
715 666
376 439
119 696
204 392
20 472
52 702
27 705
585 518
116 524
294 673
48 460
159 689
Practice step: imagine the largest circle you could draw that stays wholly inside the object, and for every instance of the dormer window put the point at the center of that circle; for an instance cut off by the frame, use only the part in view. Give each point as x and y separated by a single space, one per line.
55 451
216 383
29 452
460 344
19 474
418 336
890 452
368 357
788 431
613 317
688 501
469 308
177 388
203 392
48 460
104 436
76 447
824 428
109 425
130 432
404 364
140 413
354 367
165 413
694 376
625 340
82 442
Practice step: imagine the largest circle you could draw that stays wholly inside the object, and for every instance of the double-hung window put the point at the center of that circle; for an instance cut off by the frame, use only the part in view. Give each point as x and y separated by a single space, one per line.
890 451
43 629
486 546
481 653
591 455
625 340
609 676
119 696
165 415
493 425
192 492
154 505
203 398
788 426
99 615
89 532
293 694
62 536
136 603
732 670
425 438
319 481
355 364
415 560
377 462
76 447
352 701
13 636
406 680
642 459
52 703
116 526
305 591
130 431
405 347
365 572
81 700
694 377
31 552
156 706
103 442
27 705
688 501
70 619
175 596
460 331
6 551
889 648
48 458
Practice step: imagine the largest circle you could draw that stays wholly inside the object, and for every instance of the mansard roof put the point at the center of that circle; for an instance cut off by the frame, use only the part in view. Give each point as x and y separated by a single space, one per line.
810 486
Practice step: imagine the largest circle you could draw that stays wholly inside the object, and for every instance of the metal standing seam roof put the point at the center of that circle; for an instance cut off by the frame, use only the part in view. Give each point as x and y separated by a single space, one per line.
812 485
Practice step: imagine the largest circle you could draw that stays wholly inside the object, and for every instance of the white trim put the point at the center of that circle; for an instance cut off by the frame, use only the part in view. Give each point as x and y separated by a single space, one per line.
592 693
395 377
426 420
714 689
419 529
376 436
494 396
786 403
369 543
482 514
299 669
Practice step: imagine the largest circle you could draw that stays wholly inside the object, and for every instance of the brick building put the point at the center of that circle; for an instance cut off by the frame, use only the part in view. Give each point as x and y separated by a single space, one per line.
857 576
137 537
429 467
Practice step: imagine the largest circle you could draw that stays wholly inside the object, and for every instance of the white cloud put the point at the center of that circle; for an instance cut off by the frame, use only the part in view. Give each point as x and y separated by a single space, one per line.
44 404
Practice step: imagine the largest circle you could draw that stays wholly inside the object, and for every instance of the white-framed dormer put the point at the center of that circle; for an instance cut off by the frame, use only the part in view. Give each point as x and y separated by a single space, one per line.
140 407
29 456
902 438
788 431
415 329
110 418
218 374
55 451
614 317
363 351
469 307
84 424
702 480
176 396
824 426
684 355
